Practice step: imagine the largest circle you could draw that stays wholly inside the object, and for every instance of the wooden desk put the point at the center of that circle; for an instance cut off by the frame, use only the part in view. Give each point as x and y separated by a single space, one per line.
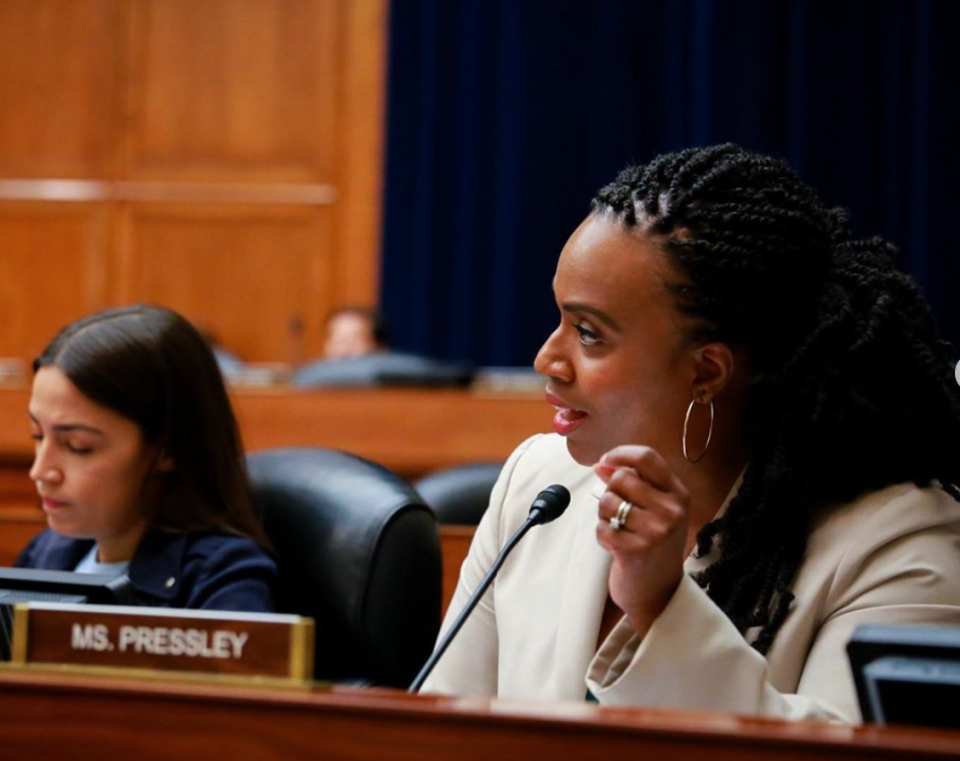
64 717
410 431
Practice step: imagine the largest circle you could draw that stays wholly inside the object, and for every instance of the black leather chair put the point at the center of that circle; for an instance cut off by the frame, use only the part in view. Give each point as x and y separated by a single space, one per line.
460 495
359 552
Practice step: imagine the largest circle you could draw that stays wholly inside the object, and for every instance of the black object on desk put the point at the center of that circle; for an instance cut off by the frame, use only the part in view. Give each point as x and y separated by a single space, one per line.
907 674
19 585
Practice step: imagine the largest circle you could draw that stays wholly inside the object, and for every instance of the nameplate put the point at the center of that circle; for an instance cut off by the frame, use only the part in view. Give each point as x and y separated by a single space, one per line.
161 639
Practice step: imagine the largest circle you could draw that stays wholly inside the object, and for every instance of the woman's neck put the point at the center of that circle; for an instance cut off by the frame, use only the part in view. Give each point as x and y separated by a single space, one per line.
709 483
120 547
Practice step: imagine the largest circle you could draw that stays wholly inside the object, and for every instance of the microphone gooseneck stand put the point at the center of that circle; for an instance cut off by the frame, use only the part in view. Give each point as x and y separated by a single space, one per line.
549 505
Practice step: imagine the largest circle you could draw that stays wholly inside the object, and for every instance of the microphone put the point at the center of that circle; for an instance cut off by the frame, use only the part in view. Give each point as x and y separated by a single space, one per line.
548 506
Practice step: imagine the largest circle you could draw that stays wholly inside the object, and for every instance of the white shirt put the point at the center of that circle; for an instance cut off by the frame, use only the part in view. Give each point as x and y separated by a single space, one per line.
90 564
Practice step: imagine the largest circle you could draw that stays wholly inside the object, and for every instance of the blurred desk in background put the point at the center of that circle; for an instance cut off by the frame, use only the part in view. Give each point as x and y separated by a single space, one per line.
45 717
410 431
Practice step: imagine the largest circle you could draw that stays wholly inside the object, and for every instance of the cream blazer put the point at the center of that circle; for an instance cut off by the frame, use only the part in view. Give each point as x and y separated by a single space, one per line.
892 556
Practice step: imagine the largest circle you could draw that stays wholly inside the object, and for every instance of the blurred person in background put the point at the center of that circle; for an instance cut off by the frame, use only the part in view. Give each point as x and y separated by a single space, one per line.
353 331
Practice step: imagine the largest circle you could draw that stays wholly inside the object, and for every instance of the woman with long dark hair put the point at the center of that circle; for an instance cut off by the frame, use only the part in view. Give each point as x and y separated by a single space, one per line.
760 429
139 464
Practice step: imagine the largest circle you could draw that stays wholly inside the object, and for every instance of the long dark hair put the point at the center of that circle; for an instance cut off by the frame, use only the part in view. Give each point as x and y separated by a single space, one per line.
153 367
852 387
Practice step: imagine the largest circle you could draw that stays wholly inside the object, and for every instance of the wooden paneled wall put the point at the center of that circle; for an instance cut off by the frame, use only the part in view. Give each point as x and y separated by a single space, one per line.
221 157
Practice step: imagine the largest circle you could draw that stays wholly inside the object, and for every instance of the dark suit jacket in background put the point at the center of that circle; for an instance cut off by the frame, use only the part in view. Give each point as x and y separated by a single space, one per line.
382 368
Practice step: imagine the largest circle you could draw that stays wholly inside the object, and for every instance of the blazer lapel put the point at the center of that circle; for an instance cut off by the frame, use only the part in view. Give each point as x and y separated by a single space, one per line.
585 594
64 553
586 589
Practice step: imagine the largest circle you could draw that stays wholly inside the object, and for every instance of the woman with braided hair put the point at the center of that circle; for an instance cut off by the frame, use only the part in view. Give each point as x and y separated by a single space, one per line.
759 426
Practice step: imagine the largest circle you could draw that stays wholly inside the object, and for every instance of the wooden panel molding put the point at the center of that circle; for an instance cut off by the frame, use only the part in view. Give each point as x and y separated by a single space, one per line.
247 275
221 157
234 89
52 271
361 169
58 87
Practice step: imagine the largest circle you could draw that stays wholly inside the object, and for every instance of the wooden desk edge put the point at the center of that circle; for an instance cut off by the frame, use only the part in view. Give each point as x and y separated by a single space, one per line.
559 717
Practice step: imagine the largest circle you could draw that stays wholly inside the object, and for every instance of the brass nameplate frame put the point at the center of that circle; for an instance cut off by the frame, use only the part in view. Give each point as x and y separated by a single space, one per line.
196 642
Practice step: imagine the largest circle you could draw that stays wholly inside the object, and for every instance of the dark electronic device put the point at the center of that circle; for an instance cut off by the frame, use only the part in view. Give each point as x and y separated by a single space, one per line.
19 585
907 674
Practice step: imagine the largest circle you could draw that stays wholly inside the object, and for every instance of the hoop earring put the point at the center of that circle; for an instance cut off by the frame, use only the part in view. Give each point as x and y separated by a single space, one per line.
686 424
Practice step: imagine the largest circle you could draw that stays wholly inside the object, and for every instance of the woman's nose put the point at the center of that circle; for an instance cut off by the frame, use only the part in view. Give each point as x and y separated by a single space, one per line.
44 470
551 360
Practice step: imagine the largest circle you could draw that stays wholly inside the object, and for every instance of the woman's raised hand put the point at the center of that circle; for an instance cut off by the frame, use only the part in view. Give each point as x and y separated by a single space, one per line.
650 544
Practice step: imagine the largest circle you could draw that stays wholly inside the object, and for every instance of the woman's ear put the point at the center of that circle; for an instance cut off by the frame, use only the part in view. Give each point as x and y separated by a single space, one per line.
714 368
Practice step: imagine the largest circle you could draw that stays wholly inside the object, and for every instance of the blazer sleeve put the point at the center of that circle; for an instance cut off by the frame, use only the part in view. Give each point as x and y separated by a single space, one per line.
693 657
469 665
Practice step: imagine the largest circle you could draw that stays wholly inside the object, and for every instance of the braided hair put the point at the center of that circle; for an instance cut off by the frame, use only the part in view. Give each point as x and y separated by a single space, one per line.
852 388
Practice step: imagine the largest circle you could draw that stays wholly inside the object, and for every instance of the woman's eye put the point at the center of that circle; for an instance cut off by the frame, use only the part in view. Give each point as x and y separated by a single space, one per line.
588 337
77 449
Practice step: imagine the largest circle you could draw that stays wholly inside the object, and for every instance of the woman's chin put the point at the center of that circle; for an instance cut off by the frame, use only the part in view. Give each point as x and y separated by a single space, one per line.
582 453
65 528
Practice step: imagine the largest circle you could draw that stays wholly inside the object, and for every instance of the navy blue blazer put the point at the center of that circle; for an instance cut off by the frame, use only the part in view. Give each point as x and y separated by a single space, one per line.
209 571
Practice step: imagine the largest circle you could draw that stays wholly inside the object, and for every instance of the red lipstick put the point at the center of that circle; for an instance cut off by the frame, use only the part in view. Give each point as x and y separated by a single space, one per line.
568 418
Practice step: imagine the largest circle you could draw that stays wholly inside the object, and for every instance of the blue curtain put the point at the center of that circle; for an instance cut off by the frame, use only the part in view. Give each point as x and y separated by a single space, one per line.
505 116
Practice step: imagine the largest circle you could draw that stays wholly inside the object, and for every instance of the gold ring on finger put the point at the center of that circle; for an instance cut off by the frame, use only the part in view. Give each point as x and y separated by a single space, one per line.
620 519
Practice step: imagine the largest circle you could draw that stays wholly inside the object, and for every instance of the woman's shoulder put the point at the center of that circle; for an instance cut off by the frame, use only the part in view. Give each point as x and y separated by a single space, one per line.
51 551
226 547
205 570
164 554
891 512
899 525
31 555
545 455
539 462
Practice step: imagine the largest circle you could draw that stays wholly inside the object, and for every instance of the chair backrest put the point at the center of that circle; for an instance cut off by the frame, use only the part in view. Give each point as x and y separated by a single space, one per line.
359 552
460 495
